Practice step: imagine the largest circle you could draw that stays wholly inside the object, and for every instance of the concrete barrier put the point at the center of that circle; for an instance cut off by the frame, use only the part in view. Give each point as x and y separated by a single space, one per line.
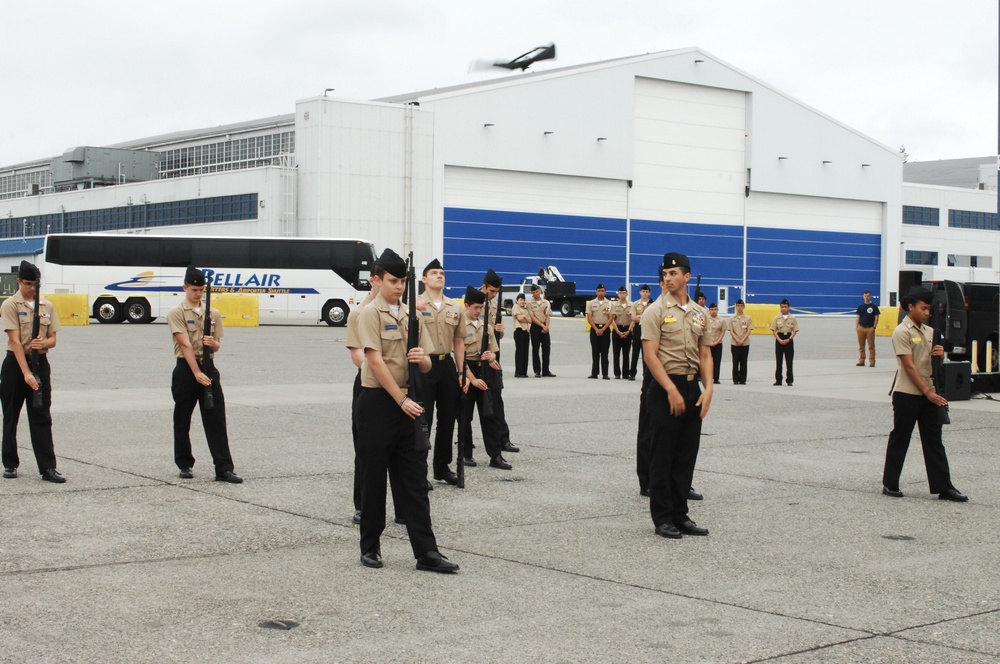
71 308
238 310
762 315
888 319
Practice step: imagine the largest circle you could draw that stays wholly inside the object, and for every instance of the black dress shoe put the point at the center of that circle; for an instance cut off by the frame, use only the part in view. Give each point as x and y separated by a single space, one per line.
229 476
694 495
718 382
356 519
371 559
499 462
631 377
432 561
789 384
894 493
668 530
594 376
618 377
691 528
469 462
548 374
517 375
447 477
643 491
954 495
777 382
10 473
185 474
430 487
538 375
606 377
52 475
509 447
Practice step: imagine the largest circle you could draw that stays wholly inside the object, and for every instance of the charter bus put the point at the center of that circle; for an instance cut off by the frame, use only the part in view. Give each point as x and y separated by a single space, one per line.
138 278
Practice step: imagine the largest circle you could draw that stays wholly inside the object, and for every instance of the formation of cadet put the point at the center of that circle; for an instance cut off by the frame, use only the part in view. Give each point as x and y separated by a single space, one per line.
621 333
21 377
541 317
740 326
599 318
784 327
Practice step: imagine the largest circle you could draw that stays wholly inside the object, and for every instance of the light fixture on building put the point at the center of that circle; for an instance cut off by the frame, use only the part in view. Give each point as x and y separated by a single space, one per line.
698 62
827 161
548 133
865 165
488 124
601 138
328 90
782 158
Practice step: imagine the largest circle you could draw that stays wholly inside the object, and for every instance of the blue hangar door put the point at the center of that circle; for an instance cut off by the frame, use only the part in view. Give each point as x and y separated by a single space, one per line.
516 222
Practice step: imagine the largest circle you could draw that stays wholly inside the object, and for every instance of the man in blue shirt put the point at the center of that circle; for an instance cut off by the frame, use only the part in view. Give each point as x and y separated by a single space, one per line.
866 322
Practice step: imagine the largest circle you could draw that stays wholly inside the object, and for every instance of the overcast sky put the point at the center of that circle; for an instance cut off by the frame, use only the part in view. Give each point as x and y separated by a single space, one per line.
919 73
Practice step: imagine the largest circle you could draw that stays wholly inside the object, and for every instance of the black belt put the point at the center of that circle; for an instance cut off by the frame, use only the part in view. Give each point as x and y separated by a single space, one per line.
784 336
439 358
683 378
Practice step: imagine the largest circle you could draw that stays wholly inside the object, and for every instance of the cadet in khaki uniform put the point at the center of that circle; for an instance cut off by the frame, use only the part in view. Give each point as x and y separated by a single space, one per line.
385 416
716 330
187 325
541 318
17 380
475 387
441 318
599 318
492 283
784 327
740 326
914 401
621 330
522 336
638 307
677 354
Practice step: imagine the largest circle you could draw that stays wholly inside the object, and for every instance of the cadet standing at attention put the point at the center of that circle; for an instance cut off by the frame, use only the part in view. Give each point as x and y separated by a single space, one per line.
441 318
740 327
599 317
677 354
716 331
638 307
492 282
915 401
784 327
385 416
541 317
17 380
191 347
621 329
522 336
353 343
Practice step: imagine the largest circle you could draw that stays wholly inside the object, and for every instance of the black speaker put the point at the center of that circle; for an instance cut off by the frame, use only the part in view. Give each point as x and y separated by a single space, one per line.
957 378
907 280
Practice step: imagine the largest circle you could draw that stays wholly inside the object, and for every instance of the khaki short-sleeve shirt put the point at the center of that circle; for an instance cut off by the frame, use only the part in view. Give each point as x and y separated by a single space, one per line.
19 314
638 307
917 341
784 324
600 311
385 331
679 333
715 329
474 338
353 339
191 321
521 310
541 309
740 325
622 313
441 323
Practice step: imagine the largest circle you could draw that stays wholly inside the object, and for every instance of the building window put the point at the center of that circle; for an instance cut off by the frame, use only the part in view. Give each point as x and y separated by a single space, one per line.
985 221
958 260
921 216
921 257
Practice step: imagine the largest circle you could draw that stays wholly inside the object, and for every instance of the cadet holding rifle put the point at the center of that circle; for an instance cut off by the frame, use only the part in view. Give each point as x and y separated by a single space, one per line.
31 325
194 372
385 415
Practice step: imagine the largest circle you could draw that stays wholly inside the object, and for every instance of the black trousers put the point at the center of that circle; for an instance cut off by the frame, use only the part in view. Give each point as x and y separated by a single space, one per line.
636 350
674 443
784 353
540 340
359 459
620 349
642 436
522 339
187 392
442 393
907 410
740 354
387 444
14 393
599 351
499 409
488 425
716 361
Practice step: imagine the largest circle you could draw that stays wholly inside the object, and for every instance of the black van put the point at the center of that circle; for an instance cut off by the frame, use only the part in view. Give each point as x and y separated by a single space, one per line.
966 313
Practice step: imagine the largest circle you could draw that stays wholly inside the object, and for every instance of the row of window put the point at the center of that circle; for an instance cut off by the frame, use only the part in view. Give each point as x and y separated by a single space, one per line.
226 155
954 260
29 183
920 216
152 215
924 216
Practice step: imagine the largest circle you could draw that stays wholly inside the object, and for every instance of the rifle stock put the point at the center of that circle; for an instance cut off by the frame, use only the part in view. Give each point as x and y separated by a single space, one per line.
36 324
422 440
944 416
487 370
207 364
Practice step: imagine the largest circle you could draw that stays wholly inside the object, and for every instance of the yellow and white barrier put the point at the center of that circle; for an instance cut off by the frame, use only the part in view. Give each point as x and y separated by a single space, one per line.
237 310
71 308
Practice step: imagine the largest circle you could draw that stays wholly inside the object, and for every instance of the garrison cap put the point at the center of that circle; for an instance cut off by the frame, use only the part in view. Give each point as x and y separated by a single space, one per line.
920 293
474 295
27 271
392 263
784 301
622 289
492 279
599 287
433 265
740 301
673 259
535 287
644 287
194 277
713 306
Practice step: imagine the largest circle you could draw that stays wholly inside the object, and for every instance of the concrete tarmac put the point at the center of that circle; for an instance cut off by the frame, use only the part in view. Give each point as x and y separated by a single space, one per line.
806 560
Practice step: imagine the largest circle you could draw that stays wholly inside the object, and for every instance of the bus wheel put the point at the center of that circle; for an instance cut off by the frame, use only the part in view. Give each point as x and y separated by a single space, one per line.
566 309
107 310
137 310
335 313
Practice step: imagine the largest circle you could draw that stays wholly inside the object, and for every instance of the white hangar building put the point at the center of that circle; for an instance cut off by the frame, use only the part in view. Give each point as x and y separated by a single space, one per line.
597 169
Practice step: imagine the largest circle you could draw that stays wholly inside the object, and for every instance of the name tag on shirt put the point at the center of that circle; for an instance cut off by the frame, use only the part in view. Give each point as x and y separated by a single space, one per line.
190 321
426 313
917 340
22 313
392 327
669 319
